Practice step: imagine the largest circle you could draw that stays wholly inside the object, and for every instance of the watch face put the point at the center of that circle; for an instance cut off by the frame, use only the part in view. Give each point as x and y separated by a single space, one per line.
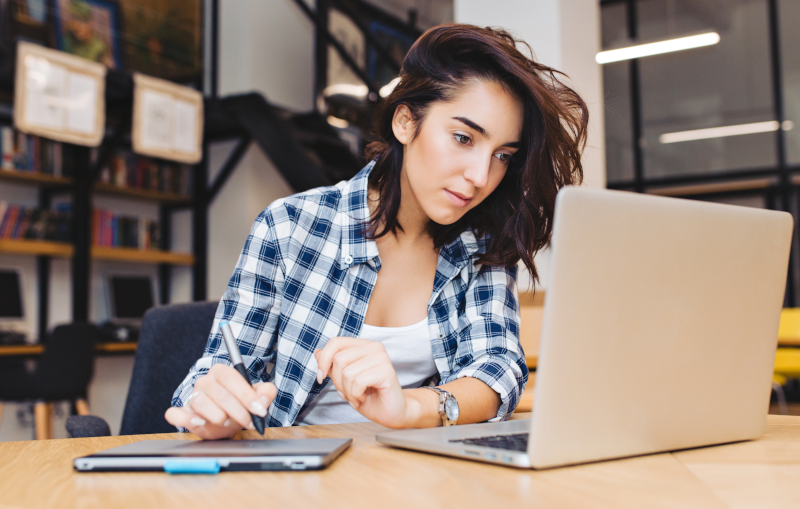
451 409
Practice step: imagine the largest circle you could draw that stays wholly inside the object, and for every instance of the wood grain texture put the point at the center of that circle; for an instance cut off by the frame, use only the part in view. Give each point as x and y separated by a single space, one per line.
40 475
759 473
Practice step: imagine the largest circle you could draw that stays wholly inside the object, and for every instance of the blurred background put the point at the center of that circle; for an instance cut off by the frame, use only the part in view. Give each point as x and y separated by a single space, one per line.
289 90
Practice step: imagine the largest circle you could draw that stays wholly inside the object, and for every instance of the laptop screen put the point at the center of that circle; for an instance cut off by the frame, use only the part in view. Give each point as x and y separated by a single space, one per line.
10 295
131 296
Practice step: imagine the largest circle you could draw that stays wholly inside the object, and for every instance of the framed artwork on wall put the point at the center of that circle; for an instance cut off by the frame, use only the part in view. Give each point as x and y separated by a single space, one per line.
59 96
167 120
89 29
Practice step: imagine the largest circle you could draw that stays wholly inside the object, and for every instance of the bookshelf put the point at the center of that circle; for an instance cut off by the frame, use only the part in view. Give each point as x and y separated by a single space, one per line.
169 192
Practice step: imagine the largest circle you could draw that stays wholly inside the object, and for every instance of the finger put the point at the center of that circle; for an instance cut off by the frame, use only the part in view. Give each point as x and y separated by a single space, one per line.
230 405
374 378
207 431
334 346
345 358
204 406
184 418
355 393
266 392
246 396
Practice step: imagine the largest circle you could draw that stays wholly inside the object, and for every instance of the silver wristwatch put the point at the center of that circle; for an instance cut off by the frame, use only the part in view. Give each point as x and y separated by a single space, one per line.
448 407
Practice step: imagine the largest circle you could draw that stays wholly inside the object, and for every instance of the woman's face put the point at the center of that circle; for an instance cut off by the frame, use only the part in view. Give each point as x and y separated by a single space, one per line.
461 153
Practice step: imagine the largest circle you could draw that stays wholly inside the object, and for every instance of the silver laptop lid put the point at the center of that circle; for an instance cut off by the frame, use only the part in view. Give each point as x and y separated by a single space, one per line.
660 325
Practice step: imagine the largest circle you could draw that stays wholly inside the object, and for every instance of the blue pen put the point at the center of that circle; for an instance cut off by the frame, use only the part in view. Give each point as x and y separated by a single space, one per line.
238 365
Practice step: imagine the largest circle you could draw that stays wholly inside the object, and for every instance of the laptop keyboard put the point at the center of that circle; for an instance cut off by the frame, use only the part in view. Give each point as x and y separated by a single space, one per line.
515 442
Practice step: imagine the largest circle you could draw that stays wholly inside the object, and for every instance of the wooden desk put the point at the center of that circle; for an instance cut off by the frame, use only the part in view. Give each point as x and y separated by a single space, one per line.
35 350
764 473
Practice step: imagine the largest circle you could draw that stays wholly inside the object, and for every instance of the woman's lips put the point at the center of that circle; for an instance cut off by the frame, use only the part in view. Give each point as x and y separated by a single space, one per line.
458 199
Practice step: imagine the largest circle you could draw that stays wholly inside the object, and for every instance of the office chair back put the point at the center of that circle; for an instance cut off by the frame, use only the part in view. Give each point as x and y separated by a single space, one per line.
67 364
172 338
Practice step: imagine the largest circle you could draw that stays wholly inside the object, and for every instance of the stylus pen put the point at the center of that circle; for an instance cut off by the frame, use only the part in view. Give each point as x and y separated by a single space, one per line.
238 364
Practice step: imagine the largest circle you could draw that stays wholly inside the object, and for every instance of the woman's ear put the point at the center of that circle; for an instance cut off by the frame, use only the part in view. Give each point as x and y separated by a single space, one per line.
403 124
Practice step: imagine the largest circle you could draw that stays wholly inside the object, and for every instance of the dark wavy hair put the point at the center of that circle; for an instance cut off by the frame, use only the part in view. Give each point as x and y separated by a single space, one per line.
518 216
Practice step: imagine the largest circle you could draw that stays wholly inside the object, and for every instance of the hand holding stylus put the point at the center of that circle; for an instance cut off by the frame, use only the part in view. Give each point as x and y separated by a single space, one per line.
223 401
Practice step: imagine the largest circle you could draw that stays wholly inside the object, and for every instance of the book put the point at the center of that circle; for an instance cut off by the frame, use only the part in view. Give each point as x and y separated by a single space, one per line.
7 147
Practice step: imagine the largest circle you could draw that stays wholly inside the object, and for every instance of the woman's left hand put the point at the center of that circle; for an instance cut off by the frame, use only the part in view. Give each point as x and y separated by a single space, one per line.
363 375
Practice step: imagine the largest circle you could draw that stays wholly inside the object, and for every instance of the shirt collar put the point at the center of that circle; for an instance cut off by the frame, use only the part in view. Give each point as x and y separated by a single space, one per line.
354 214
353 217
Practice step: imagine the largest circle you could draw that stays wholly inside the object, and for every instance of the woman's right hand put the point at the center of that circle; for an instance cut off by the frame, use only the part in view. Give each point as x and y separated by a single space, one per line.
221 404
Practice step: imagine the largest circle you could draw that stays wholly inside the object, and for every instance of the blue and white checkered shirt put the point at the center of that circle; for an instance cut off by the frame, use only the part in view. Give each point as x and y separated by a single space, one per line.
306 274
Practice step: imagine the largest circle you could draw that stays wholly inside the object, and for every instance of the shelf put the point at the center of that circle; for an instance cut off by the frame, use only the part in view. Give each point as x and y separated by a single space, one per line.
36 247
721 187
20 350
38 349
142 194
34 178
127 254
115 347
120 254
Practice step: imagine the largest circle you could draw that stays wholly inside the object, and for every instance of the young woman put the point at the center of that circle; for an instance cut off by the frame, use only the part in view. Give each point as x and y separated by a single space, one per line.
349 302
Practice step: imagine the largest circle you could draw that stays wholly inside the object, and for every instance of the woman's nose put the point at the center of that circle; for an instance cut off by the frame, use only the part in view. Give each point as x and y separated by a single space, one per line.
478 173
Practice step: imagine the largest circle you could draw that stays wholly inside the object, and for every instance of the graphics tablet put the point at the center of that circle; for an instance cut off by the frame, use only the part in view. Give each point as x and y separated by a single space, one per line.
198 456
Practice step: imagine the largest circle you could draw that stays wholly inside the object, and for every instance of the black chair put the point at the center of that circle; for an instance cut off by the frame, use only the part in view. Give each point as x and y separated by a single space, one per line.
63 372
171 340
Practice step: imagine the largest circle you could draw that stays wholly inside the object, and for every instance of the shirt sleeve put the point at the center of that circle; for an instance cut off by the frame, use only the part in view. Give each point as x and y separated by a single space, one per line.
488 343
251 304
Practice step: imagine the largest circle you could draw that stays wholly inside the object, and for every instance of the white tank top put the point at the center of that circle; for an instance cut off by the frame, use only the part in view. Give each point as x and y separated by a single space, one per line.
408 347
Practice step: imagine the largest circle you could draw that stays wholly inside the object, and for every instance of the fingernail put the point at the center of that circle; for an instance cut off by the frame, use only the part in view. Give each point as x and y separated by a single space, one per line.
197 421
258 408
319 376
265 400
226 423
251 425
341 394
353 405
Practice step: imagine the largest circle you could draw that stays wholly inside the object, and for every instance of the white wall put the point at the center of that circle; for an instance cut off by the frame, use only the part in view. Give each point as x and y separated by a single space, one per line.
565 35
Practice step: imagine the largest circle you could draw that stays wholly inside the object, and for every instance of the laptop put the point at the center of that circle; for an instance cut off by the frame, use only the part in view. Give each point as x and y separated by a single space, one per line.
659 333
204 456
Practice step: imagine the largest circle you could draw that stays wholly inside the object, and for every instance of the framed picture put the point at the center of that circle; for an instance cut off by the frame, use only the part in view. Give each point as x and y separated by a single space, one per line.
167 120
164 38
89 29
59 96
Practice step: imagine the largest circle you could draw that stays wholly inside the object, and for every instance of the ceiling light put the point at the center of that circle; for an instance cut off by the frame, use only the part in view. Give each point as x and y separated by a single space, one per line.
721 132
657 48
358 91
338 122
389 87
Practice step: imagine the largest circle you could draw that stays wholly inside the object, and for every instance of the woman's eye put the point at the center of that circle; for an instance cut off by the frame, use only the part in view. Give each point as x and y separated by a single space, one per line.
504 157
462 139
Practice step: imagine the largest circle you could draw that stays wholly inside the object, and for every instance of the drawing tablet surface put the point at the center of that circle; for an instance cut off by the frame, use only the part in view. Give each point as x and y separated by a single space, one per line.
200 456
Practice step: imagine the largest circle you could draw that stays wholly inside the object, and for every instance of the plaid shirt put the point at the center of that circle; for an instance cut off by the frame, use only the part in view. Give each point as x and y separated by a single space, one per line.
306 274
